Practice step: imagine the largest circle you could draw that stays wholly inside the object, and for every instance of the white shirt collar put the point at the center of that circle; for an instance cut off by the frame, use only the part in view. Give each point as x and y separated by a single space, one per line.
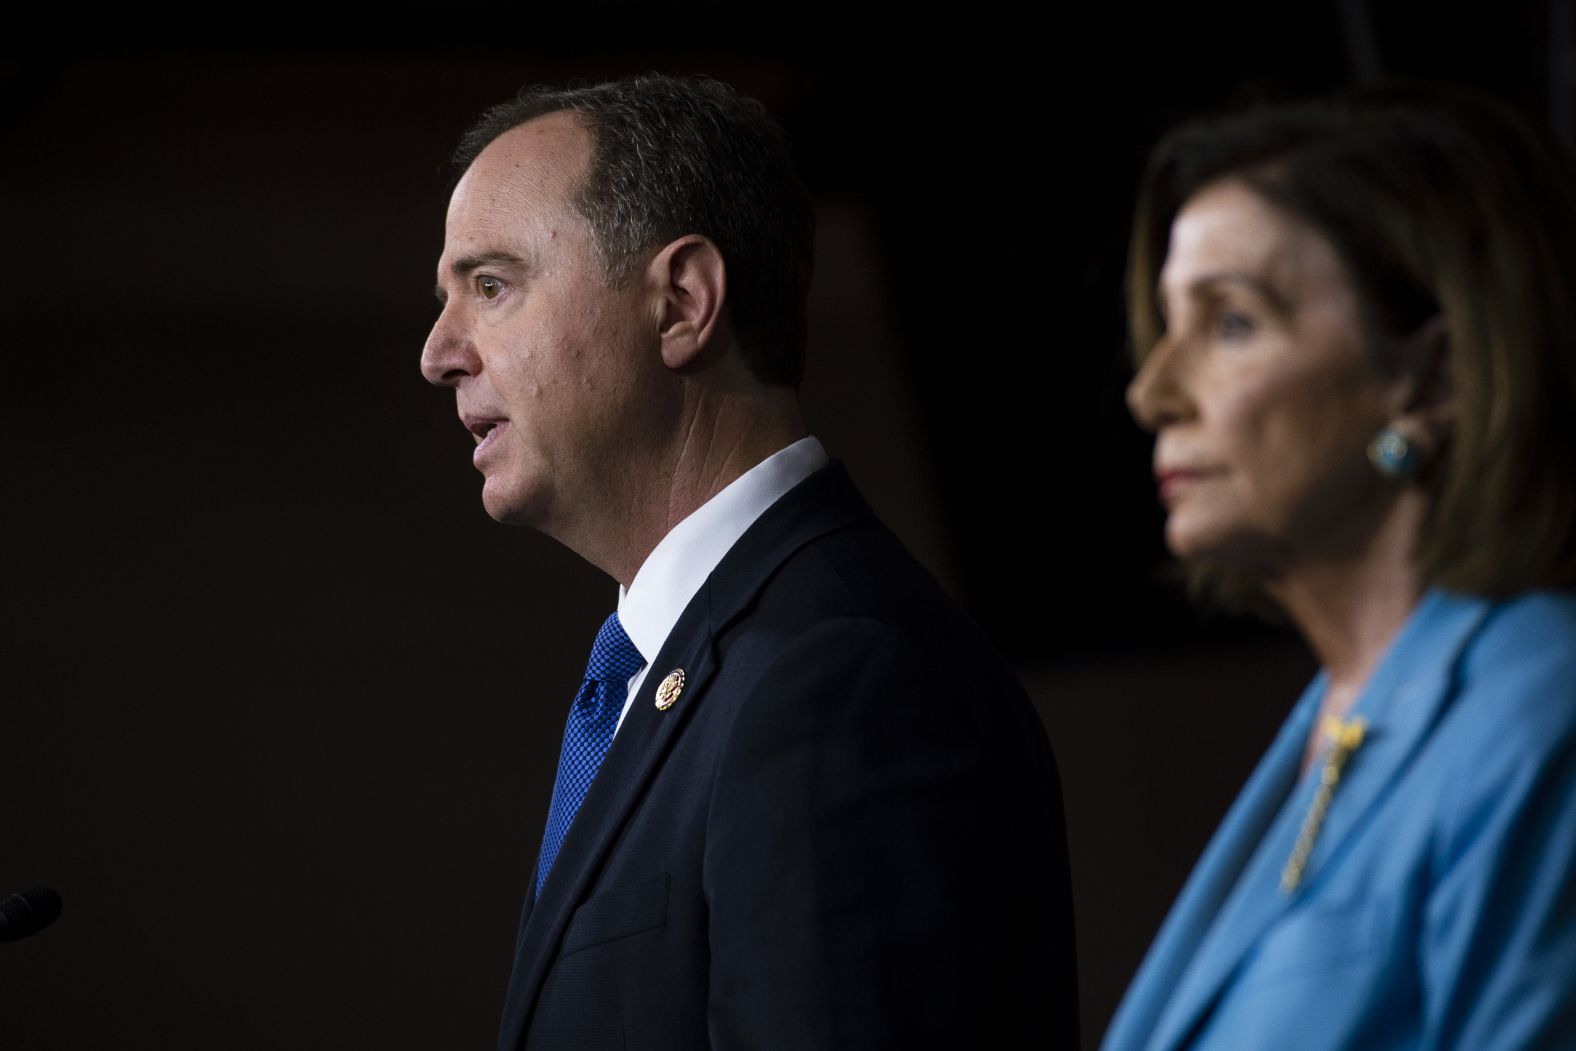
681 562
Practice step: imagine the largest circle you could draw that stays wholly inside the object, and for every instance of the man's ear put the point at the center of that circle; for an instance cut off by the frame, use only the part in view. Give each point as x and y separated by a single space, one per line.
691 281
1426 407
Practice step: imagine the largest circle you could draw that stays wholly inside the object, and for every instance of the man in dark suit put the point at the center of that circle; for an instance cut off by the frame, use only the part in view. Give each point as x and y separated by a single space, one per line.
801 801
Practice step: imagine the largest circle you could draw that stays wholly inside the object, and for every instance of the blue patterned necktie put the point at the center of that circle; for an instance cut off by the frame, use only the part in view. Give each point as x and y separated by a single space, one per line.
592 720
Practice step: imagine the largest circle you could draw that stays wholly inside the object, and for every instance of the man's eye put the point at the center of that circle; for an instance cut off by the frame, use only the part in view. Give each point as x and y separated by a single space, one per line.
489 287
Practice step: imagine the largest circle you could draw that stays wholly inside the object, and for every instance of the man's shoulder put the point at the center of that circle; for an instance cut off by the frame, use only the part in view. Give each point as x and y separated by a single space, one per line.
858 587
820 568
860 570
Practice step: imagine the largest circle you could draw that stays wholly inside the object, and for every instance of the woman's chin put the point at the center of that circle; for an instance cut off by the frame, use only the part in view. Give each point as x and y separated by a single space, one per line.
1243 555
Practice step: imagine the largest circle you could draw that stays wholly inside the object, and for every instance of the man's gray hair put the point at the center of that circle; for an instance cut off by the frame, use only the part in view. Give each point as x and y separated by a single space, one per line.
678 156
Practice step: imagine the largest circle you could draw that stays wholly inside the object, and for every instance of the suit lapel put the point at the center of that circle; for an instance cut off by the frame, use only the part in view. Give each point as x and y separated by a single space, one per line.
633 757
823 502
1402 703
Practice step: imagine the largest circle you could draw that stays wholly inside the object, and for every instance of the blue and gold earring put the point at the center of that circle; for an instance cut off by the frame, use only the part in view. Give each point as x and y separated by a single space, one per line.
1394 456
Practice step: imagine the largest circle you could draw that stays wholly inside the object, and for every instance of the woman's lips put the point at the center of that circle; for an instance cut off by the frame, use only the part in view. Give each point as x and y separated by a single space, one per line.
1174 481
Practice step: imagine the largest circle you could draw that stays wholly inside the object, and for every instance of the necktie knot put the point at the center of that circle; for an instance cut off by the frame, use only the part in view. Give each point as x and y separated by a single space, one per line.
613 657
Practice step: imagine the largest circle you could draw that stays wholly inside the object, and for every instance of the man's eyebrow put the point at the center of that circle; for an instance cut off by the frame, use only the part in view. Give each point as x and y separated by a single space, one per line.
467 263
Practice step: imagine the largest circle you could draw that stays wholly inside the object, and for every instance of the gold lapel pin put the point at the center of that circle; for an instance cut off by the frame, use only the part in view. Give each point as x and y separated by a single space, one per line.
1343 739
669 691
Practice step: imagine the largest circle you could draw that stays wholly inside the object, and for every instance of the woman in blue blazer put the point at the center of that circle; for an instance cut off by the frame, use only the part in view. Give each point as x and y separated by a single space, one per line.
1357 337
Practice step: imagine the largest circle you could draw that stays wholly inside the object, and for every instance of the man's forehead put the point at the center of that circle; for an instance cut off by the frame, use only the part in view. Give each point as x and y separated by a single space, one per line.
517 194
535 166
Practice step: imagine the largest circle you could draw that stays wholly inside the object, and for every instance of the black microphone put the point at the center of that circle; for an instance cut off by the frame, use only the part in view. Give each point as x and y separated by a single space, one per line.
28 913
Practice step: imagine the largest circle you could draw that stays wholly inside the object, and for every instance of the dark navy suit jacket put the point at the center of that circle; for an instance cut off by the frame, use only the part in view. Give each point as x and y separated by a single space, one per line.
847 831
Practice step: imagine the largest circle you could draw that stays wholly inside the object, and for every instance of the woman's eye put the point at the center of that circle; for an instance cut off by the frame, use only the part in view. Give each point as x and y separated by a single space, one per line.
489 287
1235 325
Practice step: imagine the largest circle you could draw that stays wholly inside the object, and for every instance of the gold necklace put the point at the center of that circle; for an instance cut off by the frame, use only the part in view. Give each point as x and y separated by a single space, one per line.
1344 739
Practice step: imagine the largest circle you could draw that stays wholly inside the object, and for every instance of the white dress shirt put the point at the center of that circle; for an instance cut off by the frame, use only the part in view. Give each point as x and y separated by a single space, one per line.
681 562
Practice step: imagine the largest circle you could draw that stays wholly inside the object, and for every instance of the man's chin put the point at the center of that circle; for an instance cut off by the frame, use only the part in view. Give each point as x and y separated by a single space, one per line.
508 506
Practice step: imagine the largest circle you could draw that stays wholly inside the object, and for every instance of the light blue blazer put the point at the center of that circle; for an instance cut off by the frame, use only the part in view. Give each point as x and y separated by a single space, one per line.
1438 906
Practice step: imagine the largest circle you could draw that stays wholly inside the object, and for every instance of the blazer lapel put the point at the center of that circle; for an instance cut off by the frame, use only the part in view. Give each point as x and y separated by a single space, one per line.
1401 704
825 501
1154 1001
1404 702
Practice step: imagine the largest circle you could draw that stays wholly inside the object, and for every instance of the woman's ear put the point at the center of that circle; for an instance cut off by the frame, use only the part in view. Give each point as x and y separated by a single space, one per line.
1426 397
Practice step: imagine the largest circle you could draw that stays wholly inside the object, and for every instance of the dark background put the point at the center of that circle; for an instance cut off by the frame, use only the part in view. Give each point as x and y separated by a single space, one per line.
282 704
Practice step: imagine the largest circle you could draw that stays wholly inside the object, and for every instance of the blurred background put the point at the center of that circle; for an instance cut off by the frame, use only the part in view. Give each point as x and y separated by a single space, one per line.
282 705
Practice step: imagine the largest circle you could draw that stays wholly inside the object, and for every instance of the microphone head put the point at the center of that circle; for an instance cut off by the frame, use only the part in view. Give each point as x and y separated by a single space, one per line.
28 913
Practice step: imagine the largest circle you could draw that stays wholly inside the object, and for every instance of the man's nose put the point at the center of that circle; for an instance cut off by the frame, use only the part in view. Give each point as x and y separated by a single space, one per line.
449 355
